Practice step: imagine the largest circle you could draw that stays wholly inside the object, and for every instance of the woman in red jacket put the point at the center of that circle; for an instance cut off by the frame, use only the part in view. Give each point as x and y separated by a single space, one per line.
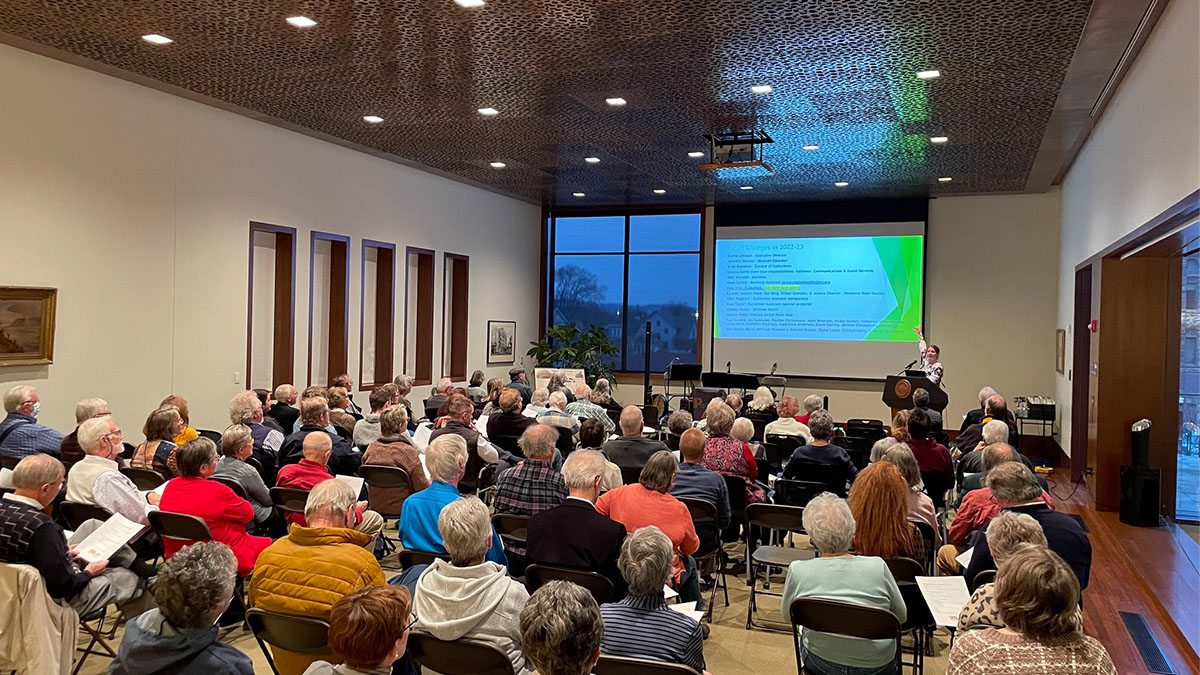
216 504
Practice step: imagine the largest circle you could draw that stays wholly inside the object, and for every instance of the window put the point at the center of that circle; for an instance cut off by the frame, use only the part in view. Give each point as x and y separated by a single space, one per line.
618 272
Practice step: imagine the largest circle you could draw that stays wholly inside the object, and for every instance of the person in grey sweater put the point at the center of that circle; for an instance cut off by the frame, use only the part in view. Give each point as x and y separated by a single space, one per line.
367 429
237 444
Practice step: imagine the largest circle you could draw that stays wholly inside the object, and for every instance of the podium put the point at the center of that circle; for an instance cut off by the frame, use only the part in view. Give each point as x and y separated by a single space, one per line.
898 389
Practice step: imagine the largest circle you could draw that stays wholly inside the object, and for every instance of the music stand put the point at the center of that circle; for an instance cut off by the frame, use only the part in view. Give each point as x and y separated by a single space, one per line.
687 373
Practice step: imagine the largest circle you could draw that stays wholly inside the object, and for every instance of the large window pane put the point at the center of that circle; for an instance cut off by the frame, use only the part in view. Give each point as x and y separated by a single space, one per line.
674 232
588 290
601 234
662 290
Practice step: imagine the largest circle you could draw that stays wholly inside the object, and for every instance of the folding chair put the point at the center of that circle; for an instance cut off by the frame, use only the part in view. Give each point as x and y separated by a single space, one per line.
78 513
597 584
842 618
565 442
627 665
508 443
928 539
214 436
7 462
919 620
513 527
705 520
231 484
770 518
97 636
736 487
630 475
457 657
984 577
300 634
289 500
144 479
409 557
385 478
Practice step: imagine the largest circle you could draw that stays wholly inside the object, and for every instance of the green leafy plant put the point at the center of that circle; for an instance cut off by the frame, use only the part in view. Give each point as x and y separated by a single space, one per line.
569 347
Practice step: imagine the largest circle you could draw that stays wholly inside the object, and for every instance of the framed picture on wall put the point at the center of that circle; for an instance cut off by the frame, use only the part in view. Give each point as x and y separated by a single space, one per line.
27 325
1060 351
502 342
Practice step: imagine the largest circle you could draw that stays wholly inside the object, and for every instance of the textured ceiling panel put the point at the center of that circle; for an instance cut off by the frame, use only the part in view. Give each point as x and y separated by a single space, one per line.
843 74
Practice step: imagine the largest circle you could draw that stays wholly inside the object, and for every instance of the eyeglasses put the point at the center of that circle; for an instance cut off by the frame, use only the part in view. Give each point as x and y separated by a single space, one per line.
113 433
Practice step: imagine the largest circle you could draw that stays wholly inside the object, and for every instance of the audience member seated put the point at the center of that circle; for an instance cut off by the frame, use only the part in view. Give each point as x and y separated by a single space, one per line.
728 456
247 409
713 404
20 434
558 382
237 445
899 431
642 625
977 509
996 409
538 403
313 470
812 403
631 449
265 400
976 416
314 417
920 399
1013 486
881 446
761 408
573 534
446 460
394 448
97 478
441 393
1037 599
369 629
697 482
561 630
971 463
593 437
459 411
879 502
586 409
839 575
735 403
920 506
33 538
404 385
1007 534
743 430
368 428
516 376
649 502
344 381
471 597
316 564
475 386
181 405
283 410
214 503
158 451
340 417
932 457
602 396
677 423
556 416
530 487
508 420
70 451
787 425
193 589
820 451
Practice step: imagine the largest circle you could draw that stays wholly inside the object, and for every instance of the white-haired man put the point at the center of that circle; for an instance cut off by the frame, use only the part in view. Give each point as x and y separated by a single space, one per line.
976 415
556 415
20 434
584 408
530 487
84 411
97 479
283 410
442 391
631 449
446 461
247 409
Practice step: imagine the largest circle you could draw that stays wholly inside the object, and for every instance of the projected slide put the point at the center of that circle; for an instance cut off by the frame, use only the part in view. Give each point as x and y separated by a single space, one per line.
856 288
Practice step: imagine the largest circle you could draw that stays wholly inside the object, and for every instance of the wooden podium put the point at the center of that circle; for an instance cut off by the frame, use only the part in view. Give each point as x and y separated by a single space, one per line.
898 389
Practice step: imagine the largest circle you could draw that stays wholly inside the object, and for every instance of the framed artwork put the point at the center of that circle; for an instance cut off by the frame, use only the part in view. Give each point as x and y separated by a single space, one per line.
27 325
1060 351
502 342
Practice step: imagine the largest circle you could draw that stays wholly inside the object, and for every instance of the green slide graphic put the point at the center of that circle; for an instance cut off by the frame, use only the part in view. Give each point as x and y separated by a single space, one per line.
900 256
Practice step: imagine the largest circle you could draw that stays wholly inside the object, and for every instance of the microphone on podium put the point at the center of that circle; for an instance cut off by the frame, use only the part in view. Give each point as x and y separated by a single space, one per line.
667 372
728 366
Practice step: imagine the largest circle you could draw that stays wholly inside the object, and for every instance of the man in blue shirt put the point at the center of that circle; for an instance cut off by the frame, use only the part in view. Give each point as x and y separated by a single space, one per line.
698 482
446 460
20 434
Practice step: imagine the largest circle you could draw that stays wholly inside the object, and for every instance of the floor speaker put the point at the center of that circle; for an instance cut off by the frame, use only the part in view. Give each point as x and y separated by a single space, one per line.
1141 492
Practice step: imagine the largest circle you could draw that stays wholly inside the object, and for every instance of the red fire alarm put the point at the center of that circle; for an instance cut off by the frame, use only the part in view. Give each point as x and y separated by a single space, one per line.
1094 326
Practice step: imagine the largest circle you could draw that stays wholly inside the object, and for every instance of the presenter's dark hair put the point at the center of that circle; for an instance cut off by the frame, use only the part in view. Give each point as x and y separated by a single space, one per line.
918 424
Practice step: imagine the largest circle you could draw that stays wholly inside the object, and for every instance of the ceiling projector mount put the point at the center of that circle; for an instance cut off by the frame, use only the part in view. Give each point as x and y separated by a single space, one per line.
737 150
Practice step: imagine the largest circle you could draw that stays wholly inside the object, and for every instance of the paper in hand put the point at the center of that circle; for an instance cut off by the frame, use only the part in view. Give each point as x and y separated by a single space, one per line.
965 558
106 539
355 483
946 597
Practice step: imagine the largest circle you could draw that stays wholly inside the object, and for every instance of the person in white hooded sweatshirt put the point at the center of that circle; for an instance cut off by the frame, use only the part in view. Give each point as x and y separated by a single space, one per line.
470 597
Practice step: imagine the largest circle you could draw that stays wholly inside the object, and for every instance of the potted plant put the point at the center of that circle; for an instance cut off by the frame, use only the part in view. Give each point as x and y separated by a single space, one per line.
569 347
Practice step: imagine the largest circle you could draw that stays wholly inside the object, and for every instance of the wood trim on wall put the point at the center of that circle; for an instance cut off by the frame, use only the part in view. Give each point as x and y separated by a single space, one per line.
422 370
455 309
284 324
385 310
339 302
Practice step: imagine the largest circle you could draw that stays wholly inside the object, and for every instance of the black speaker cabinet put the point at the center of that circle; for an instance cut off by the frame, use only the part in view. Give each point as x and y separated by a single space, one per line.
1141 492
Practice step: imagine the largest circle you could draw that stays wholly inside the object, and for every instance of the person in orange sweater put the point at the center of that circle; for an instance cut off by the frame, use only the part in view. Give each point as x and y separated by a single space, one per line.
216 504
649 502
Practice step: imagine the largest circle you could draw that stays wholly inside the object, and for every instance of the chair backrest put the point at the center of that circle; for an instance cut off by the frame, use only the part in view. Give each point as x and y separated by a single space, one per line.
302 634
385 476
650 416
289 500
928 537
565 442
798 492
706 521
7 462
508 443
179 526
144 479
904 569
627 665
597 584
254 462
760 428
984 577
776 517
409 557
736 487
231 484
457 657
935 486
77 513
511 526
830 475
630 474
128 450
843 618
781 446
671 440
214 436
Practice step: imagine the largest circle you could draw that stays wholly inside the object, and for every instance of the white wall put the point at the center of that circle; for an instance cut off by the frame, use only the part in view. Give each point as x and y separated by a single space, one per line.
135 204
1142 157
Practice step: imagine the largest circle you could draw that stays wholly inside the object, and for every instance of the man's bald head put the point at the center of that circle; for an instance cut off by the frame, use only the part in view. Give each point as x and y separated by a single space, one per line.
691 445
632 421
317 447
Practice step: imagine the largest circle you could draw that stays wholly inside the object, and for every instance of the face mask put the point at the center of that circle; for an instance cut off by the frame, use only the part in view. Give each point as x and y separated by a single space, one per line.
37 407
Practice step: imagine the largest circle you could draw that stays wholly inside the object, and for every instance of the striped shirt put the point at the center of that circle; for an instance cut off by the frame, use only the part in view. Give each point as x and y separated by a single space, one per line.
531 487
644 627
28 437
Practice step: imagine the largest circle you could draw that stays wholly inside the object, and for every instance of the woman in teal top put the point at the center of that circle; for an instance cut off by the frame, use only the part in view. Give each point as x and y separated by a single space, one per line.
842 576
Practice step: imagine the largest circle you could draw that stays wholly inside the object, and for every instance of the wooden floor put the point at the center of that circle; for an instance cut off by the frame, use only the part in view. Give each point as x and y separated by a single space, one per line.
1152 571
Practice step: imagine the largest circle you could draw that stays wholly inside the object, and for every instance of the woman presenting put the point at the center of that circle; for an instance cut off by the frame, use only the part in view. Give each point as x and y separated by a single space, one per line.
929 358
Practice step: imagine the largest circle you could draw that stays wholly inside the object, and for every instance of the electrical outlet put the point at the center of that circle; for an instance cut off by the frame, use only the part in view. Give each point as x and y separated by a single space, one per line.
237 378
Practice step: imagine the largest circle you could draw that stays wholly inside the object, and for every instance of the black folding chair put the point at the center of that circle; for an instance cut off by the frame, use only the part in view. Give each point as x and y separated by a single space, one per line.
380 477
769 519
736 487
565 442
214 436
232 485
512 527
457 657
710 555
144 479
289 500
179 526
780 447
628 665
10 463
936 486
597 584
919 620
842 618
630 475
408 557
928 540
128 450
78 513
508 443
299 634
866 428
984 577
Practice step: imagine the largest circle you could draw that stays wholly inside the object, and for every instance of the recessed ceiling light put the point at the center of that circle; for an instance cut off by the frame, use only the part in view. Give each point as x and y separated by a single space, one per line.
578 194
488 111
944 179
615 101
498 165
592 160
746 187
469 3
938 139
812 147
841 183
156 39
660 191
695 154
761 89
301 21
372 119
929 74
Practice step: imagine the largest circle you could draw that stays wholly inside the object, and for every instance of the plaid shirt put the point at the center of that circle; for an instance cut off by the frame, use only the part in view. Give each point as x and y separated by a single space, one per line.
589 410
557 418
526 489
29 439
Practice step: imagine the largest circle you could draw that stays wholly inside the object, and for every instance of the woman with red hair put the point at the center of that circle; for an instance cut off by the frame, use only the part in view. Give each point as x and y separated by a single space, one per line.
879 502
